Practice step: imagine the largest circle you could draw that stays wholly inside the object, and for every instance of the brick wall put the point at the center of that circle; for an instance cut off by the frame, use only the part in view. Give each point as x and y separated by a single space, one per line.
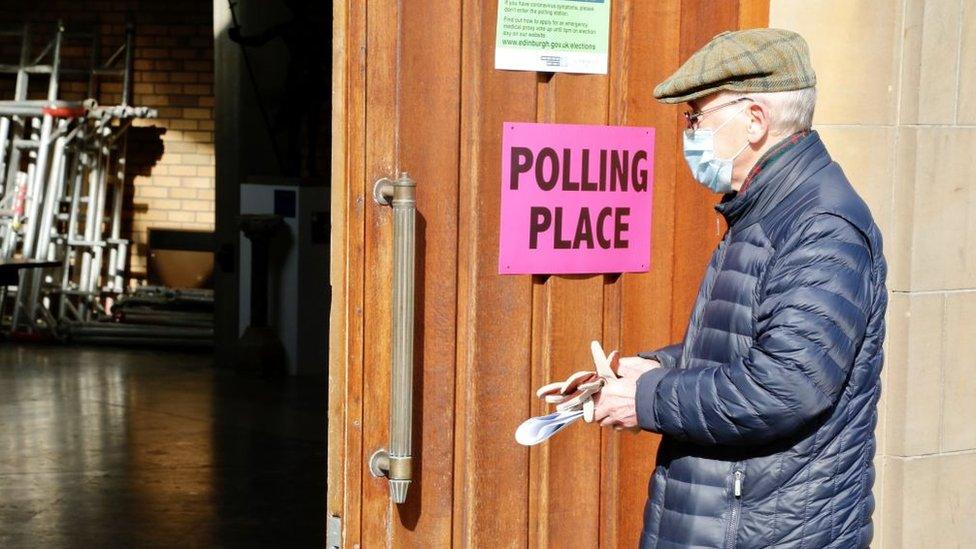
170 176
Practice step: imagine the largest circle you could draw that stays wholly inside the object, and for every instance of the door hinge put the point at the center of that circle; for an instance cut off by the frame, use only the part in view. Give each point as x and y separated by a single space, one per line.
333 532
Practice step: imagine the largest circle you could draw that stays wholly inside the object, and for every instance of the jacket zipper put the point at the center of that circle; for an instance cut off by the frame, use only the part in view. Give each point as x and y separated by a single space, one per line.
730 535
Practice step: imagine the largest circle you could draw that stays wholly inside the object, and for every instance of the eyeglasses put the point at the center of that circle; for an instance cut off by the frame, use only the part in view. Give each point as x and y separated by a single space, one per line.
692 117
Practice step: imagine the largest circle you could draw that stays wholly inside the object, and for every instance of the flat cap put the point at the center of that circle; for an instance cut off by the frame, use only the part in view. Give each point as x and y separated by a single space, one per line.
754 60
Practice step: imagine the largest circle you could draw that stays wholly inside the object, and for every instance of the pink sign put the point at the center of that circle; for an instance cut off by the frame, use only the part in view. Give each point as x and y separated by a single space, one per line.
575 199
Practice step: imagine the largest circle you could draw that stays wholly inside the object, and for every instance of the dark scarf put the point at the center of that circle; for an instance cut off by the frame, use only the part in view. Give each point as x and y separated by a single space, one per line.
772 154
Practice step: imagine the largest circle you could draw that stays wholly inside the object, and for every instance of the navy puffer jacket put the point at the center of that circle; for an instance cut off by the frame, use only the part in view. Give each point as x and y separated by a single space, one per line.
768 407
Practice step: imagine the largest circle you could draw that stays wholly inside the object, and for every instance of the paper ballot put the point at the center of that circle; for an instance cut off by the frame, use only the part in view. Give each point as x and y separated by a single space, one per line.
537 429
573 398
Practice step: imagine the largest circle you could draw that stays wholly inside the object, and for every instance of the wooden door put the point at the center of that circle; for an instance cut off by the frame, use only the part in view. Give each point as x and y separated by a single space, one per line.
415 90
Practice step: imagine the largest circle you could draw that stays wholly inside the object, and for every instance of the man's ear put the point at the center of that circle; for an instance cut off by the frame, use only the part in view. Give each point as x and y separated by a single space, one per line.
758 122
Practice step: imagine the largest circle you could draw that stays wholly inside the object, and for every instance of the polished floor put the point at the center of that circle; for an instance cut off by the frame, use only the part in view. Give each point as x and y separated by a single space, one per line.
138 448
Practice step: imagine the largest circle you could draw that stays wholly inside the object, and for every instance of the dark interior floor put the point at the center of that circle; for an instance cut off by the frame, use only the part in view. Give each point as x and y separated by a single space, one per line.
145 448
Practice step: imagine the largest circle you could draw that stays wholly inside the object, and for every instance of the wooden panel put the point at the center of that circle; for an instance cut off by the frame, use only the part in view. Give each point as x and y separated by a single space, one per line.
494 312
609 502
338 334
645 317
567 487
345 465
429 126
753 14
697 226
382 117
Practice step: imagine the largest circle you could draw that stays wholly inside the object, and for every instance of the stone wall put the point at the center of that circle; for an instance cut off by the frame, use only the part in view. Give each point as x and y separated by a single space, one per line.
897 109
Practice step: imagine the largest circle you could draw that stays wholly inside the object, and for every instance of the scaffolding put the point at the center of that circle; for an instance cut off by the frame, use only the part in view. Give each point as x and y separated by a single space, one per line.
62 176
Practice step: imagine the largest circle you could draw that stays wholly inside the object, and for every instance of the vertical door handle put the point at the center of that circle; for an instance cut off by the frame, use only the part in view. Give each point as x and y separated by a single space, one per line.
394 462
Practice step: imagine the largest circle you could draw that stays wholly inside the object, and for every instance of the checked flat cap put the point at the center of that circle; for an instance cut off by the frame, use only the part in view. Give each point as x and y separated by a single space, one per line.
754 60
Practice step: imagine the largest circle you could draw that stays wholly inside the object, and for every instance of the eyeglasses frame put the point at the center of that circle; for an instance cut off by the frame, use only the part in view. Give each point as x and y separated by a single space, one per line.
692 117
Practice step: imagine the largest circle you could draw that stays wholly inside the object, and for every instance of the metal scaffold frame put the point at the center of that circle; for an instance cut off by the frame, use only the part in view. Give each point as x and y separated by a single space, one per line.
62 177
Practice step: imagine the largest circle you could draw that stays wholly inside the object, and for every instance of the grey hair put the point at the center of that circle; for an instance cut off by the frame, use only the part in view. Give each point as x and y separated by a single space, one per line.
790 111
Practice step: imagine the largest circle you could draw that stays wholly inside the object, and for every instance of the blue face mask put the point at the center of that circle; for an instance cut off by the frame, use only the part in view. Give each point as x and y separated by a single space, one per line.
714 173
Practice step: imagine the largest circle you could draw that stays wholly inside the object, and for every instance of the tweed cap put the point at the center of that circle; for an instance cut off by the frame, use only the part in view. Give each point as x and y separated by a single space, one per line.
754 60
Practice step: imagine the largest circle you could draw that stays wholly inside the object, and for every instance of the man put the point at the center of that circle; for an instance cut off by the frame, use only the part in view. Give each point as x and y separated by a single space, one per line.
768 407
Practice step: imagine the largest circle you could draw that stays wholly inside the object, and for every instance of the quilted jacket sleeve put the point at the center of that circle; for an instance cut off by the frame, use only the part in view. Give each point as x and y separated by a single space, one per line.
810 321
667 356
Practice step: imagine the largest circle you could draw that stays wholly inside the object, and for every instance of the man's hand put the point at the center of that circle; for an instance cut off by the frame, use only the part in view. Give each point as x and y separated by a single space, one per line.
615 403
634 366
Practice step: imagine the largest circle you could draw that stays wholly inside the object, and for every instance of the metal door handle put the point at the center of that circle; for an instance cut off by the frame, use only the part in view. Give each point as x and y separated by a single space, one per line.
394 463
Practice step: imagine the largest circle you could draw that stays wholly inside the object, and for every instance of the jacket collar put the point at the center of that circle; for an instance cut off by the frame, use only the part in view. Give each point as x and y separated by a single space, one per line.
775 182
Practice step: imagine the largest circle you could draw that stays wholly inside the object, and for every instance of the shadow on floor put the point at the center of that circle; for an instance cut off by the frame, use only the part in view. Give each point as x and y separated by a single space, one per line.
132 448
